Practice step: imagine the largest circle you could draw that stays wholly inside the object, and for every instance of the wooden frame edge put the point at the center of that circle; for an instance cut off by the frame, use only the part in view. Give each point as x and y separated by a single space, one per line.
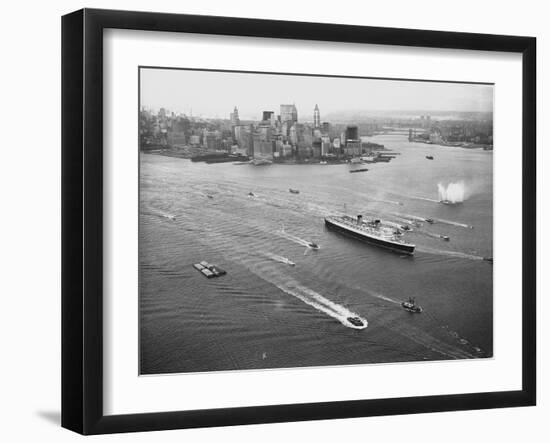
82 359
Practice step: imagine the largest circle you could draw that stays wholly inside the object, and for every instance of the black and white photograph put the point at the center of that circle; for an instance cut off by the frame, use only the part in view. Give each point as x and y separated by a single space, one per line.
292 220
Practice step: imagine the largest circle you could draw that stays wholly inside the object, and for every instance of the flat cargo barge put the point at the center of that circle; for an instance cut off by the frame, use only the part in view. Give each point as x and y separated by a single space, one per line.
372 232
209 270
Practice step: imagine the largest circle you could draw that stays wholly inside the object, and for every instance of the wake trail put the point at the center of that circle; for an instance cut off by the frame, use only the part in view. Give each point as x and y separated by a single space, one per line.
312 298
159 213
293 238
449 222
278 258
438 220
424 199
449 253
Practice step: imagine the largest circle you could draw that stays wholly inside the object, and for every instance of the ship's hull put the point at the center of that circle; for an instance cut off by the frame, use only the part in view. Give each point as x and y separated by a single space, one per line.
402 248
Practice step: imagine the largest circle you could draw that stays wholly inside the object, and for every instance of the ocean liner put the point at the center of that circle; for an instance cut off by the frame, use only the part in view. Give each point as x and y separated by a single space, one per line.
373 232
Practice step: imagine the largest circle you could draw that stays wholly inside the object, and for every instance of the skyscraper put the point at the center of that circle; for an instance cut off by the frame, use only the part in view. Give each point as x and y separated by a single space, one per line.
316 117
234 117
352 133
289 113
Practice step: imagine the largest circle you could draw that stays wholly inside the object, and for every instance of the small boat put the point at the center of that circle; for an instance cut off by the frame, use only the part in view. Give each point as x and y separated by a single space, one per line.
251 194
429 157
294 191
411 306
323 162
444 237
489 259
405 227
313 245
449 202
209 196
356 321
359 170
429 220
288 261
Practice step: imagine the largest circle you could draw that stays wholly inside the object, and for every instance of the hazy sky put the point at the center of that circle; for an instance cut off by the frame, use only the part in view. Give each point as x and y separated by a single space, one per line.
212 94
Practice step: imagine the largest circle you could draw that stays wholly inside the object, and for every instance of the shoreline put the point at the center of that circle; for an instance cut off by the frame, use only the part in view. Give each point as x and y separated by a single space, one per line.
235 161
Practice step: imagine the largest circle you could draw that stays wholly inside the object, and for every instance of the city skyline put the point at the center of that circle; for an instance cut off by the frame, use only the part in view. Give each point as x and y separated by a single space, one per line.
215 94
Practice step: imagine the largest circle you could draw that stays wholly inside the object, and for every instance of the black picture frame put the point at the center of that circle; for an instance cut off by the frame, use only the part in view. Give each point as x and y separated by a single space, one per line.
82 218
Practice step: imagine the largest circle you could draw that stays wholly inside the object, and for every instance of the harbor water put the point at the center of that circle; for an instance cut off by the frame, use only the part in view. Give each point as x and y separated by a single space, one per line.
266 312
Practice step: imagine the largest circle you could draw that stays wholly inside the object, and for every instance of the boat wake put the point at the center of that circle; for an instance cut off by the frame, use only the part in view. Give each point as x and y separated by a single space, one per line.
383 297
433 235
158 213
425 199
437 220
322 304
279 258
408 216
449 253
391 202
453 223
285 283
293 238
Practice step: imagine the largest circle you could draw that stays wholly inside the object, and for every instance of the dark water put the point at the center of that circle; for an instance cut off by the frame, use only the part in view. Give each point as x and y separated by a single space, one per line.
267 314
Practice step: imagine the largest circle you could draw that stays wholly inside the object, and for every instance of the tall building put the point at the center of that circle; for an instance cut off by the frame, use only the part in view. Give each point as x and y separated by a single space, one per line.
317 133
211 140
267 115
262 148
304 140
316 117
265 131
353 143
352 133
234 117
243 136
289 113
292 135
325 145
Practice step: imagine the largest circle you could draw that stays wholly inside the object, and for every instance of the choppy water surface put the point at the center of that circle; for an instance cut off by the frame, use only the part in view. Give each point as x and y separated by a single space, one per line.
266 313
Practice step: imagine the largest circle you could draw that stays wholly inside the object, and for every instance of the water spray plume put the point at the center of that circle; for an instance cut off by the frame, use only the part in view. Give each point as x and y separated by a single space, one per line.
453 193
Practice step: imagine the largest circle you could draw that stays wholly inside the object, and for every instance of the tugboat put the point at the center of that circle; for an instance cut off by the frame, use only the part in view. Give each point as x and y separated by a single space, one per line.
356 321
294 191
411 306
